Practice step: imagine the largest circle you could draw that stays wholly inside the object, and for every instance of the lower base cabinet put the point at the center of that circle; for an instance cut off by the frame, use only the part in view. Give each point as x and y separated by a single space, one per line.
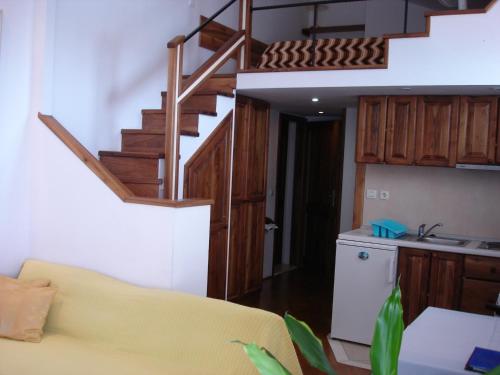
446 280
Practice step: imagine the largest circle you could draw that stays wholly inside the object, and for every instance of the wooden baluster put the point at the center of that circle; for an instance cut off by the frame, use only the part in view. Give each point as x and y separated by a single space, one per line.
173 115
245 52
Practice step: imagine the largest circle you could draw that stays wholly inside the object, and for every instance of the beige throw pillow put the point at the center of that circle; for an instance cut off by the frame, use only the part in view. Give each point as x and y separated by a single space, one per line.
24 307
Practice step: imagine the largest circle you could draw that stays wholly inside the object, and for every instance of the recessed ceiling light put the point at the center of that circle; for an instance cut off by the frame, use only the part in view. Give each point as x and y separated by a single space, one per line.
315 100
321 112
406 88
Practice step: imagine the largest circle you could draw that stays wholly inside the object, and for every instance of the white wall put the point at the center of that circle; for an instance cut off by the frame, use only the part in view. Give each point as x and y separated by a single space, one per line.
78 220
440 60
349 170
466 202
16 41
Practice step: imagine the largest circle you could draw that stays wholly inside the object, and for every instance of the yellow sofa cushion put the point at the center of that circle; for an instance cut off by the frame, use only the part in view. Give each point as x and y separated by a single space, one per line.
23 308
160 332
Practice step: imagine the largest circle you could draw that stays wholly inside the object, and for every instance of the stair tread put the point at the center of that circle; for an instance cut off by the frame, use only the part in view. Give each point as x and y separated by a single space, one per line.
140 180
133 154
184 112
220 75
188 132
209 92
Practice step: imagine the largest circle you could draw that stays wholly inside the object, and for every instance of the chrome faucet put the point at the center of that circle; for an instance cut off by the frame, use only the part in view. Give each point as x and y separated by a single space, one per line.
424 233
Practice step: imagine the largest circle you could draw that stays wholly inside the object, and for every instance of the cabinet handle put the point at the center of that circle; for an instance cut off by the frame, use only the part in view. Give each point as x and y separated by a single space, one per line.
363 255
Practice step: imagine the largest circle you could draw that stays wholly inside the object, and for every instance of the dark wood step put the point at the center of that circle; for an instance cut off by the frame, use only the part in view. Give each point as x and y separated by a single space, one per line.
138 140
143 187
200 97
223 82
154 119
132 164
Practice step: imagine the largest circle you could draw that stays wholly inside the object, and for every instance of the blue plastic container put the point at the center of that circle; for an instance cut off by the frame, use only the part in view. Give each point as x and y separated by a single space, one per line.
388 228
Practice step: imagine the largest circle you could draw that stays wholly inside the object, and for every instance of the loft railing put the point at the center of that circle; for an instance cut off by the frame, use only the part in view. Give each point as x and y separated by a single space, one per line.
179 90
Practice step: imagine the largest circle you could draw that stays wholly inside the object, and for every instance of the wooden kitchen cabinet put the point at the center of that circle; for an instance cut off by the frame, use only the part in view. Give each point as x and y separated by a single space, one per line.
400 132
477 133
429 278
437 127
370 143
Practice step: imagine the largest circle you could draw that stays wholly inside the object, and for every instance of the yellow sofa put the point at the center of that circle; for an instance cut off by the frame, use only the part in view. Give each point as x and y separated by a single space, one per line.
98 325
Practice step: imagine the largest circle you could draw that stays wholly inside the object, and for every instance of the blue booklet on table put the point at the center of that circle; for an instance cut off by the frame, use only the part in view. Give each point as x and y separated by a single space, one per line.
483 360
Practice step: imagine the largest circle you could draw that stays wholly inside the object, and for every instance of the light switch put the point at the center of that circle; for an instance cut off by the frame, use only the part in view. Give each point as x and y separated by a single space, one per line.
384 194
371 193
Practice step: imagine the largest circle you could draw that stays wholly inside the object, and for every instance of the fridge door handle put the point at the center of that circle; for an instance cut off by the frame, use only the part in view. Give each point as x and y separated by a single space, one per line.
390 275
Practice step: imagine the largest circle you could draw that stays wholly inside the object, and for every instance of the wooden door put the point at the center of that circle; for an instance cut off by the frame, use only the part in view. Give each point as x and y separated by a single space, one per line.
400 132
246 254
437 126
370 143
317 192
207 175
446 280
414 270
477 130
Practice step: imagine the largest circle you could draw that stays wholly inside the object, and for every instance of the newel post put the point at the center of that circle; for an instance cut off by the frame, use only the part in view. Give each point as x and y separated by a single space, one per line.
173 115
245 52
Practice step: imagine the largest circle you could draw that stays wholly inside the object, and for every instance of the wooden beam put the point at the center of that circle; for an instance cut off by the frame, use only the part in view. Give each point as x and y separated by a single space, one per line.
332 29
359 196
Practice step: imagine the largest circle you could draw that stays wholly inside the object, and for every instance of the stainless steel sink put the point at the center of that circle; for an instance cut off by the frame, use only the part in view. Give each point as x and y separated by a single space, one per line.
441 240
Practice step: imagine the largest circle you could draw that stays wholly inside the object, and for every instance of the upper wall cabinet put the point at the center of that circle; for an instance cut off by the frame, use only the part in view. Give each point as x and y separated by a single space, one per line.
400 132
477 130
371 129
437 126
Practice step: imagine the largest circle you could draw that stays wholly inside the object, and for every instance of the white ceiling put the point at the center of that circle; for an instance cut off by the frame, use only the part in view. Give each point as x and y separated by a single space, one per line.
333 100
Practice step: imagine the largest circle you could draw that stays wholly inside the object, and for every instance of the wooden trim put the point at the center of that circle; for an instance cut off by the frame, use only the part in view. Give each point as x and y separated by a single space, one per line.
422 34
308 69
454 12
359 196
218 59
332 29
124 193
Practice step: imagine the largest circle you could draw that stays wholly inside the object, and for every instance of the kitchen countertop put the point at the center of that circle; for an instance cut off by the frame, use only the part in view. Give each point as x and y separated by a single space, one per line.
364 234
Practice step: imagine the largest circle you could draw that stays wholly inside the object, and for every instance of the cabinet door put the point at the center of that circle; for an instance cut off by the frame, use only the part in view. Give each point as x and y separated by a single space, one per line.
437 126
414 269
253 245
236 269
446 280
478 130
400 132
240 152
371 129
257 150
477 294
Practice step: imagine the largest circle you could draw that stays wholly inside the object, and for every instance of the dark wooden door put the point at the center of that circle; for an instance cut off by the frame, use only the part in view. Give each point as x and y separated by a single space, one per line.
370 143
317 196
414 270
207 175
437 126
246 253
400 132
477 130
446 280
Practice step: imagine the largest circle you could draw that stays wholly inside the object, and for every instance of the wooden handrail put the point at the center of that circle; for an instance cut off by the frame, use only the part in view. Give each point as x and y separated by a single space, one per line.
177 93
174 42
123 192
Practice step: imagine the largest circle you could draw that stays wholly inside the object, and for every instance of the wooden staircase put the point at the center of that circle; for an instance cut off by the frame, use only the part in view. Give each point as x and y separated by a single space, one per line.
139 163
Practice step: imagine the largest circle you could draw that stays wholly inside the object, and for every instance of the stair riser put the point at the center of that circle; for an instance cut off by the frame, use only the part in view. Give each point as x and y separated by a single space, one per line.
197 102
145 190
131 167
143 142
219 84
152 121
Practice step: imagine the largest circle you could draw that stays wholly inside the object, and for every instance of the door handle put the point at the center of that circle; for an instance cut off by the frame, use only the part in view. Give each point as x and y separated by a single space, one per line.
363 255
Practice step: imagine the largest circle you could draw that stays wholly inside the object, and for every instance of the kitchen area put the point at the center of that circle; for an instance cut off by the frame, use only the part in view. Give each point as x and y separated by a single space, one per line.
427 209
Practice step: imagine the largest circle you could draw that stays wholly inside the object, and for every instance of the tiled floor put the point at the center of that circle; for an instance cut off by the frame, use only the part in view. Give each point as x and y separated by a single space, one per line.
307 298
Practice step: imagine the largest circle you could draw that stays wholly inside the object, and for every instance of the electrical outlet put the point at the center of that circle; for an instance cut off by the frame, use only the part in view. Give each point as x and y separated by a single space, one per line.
371 193
384 195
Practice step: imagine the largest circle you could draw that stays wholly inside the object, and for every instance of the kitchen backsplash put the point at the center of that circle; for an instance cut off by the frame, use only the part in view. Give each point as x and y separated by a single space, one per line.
467 202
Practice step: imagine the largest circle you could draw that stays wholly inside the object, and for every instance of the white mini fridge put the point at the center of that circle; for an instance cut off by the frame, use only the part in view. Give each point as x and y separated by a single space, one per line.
365 275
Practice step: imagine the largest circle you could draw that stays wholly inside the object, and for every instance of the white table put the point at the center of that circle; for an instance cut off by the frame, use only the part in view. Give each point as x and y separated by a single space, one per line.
441 341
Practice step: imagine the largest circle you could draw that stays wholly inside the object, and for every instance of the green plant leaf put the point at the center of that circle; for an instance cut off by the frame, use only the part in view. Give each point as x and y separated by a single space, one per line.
264 361
495 371
310 346
387 337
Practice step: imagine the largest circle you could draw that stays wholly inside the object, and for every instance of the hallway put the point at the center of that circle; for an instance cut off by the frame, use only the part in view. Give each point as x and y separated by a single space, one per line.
304 295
